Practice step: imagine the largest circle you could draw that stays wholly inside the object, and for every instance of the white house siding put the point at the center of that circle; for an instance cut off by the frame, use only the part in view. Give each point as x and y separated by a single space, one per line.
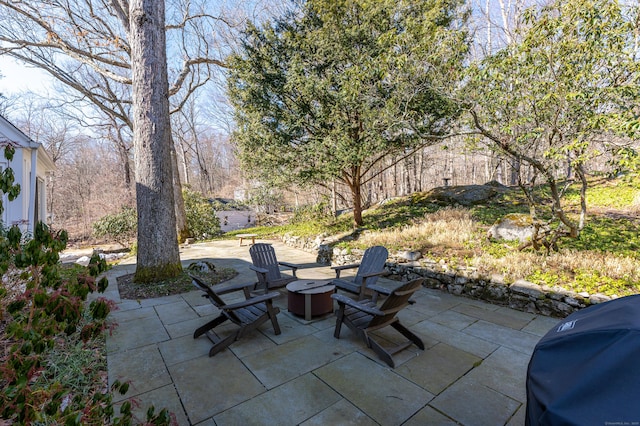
231 220
30 164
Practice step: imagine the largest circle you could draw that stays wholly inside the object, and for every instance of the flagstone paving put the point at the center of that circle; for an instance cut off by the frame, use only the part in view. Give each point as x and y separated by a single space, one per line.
472 371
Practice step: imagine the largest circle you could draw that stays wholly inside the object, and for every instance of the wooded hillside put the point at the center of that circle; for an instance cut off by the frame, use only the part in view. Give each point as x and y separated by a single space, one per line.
522 96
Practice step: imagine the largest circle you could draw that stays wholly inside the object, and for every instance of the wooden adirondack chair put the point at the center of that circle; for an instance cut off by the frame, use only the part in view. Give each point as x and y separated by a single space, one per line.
369 269
247 315
267 267
364 317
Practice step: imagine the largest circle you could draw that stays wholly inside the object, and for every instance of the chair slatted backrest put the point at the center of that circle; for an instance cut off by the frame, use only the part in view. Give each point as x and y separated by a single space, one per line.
264 256
373 260
214 298
395 302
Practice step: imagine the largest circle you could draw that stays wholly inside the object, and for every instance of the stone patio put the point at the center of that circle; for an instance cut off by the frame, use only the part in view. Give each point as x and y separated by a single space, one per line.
472 371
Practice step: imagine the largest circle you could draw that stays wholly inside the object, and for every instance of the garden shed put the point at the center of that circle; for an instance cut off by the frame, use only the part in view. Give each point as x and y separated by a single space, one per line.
31 165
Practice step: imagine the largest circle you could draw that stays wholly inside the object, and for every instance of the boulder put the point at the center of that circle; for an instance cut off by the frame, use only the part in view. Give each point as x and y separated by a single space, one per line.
464 195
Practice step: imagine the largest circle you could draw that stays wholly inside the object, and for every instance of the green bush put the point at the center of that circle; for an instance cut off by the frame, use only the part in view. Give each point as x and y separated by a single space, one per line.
201 216
51 373
39 308
120 227
320 211
54 334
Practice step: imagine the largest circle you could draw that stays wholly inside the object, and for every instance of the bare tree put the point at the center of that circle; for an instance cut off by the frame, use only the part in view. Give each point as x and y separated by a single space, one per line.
158 255
189 131
93 43
88 46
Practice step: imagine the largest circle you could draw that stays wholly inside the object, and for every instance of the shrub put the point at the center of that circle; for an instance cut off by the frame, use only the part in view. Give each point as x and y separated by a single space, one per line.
39 307
201 216
48 373
43 310
120 227
316 212
265 199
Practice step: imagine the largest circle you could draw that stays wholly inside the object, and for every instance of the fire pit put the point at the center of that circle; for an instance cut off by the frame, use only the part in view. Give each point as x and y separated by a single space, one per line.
310 298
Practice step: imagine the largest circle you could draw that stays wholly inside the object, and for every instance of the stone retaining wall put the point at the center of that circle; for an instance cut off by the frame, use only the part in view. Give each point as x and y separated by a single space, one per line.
463 281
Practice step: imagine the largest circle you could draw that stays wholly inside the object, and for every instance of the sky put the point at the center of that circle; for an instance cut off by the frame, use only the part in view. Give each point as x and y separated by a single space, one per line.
17 78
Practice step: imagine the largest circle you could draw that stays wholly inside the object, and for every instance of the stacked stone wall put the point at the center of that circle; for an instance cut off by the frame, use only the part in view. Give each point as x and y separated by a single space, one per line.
459 280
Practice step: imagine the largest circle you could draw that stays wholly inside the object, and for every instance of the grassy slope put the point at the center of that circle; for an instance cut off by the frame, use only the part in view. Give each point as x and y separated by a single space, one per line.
605 258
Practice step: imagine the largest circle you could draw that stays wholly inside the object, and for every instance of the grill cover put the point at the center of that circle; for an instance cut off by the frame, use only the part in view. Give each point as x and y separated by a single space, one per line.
586 370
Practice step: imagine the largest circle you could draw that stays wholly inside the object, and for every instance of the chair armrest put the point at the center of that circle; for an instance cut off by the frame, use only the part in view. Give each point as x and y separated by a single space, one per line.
251 301
375 274
293 267
340 268
258 270
385 291
289 265
206 288
344 300
364 285
379 289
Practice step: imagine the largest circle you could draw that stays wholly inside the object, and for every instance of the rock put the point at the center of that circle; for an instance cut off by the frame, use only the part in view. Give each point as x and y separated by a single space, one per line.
598 298
324 254
201 266
527 288
84 261
455 289
572 301
412 276
339 252
544 307
112 257
497 292
497 185
465 195
432 283
411 256
562 308
461 280
512 227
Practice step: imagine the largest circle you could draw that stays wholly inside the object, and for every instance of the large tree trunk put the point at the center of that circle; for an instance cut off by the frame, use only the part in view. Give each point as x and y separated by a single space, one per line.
158 255
181 215
355 184
357 205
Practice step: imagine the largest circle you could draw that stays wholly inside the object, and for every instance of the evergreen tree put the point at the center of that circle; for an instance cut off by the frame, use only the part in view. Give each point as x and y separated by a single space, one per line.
327 93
